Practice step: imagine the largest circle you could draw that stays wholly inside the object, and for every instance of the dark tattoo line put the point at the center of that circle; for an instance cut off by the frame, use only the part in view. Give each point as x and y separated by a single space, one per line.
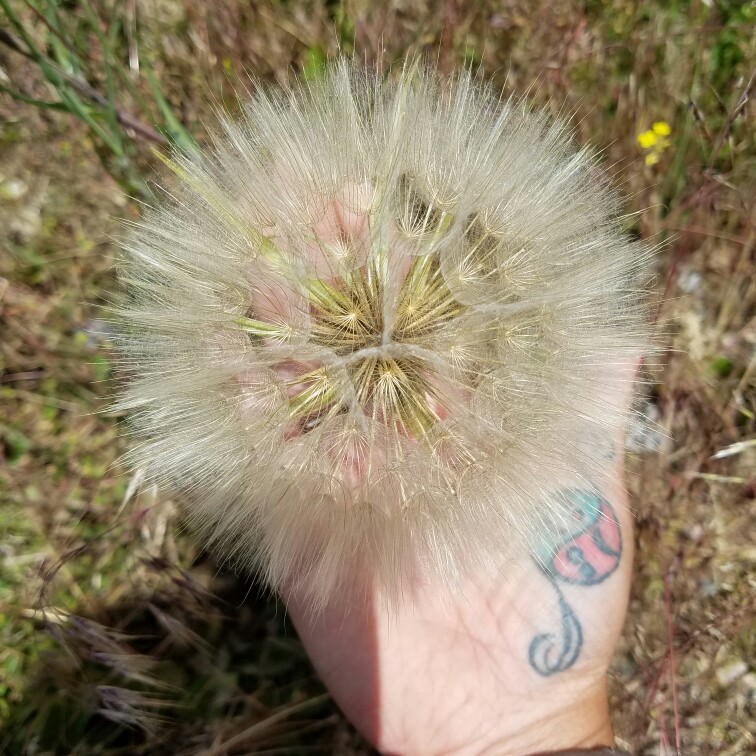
586 556
567 647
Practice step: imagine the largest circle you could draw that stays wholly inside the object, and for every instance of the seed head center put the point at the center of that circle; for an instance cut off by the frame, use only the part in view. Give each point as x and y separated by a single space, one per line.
347 316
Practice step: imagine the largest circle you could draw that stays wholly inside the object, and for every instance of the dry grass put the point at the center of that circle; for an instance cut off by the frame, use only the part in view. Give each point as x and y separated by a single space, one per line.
116 636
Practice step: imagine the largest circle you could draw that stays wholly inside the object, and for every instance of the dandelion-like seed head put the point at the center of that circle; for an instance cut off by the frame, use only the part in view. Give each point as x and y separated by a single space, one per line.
374 326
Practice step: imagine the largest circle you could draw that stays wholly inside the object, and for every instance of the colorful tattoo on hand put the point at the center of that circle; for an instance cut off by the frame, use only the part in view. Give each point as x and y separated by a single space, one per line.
586 552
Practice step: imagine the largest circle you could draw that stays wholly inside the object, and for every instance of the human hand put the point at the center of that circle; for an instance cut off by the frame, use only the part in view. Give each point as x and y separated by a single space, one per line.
510 665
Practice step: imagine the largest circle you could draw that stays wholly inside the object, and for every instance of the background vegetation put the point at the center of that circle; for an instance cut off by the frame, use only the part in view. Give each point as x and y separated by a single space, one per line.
117 635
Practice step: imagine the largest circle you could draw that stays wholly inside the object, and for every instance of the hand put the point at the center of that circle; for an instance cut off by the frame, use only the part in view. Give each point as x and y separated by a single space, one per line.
512 665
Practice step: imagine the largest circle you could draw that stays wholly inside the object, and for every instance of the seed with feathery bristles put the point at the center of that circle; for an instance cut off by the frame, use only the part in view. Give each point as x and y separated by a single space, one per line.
376 325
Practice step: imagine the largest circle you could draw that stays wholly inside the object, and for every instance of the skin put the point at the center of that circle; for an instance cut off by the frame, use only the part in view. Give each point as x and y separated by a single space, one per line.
453 671
510 663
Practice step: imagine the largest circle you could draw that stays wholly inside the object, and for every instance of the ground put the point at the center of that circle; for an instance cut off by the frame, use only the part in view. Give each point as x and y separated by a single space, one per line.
117 634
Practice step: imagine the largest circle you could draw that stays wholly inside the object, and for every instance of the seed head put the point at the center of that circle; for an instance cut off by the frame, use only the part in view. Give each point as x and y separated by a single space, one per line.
375 325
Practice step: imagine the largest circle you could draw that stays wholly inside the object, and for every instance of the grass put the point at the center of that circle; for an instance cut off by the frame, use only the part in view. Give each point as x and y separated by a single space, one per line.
116 634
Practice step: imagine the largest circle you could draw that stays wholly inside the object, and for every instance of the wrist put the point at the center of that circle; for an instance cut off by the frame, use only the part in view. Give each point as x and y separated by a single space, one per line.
582 724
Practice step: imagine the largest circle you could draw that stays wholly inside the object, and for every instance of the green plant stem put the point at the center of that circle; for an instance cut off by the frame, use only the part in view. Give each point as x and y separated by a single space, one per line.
59 78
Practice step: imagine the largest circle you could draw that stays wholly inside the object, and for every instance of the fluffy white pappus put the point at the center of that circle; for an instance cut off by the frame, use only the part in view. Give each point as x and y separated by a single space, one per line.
375 327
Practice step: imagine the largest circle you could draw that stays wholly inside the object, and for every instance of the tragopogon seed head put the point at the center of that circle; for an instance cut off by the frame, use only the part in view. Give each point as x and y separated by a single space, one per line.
376 325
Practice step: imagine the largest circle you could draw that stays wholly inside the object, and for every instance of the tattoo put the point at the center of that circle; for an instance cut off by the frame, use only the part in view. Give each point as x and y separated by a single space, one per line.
551 652
585 552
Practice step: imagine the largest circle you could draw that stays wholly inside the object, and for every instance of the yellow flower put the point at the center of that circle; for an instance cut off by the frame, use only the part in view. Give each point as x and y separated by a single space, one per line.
647 139
654 141
661 128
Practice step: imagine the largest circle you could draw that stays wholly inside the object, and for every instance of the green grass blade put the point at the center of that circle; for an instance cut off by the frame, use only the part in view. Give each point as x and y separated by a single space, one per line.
173 128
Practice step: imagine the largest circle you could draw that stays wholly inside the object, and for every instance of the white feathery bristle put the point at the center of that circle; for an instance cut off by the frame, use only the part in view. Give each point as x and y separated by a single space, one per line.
375 326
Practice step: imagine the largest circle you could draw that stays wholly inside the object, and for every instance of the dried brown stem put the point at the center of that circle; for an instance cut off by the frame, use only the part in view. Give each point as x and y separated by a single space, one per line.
85 89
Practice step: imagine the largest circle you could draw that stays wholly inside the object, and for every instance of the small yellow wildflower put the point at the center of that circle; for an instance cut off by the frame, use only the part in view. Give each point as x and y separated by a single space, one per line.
647 139
654 141
661 128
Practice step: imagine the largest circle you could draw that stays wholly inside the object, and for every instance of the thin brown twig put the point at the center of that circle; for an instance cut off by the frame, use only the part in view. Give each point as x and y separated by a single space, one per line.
29 375
10 41
574 36
50 27
84 88
447 37
705 232
673 679
731 116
